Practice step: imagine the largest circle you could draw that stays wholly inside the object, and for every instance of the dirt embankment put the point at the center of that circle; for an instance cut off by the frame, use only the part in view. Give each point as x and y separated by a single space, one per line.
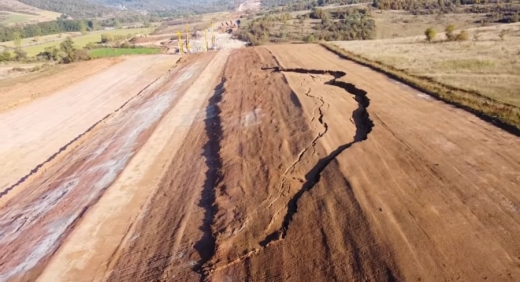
320 170
279 163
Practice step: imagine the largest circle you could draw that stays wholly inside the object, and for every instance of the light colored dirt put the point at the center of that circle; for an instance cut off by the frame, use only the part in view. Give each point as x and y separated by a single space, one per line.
279 163
71 111
134 194
21 90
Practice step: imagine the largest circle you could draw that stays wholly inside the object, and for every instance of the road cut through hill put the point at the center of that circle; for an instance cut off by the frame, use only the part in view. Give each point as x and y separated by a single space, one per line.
278 163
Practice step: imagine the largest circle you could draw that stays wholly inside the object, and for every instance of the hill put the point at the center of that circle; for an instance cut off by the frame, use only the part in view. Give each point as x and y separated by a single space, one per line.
101 8
74 8
14 12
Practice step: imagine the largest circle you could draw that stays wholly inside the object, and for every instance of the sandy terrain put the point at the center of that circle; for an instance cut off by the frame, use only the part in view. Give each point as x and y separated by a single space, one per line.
279 163
26 87
68 113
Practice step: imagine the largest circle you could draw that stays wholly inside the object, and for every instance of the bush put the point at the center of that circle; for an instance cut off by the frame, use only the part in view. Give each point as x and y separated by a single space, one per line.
105 38
450 36
19 54
310 38
430 34
91 45
462 36
319 14
5 56
81 55
126 45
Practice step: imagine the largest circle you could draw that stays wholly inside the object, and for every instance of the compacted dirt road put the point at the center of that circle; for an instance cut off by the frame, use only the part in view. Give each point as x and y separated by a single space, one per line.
279 163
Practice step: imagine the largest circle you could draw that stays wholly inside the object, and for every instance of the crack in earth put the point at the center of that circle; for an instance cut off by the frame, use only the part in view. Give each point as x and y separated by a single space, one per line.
364 125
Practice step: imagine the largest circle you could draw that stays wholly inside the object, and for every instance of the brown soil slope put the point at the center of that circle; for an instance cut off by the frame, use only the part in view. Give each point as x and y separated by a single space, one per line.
279 163
309 167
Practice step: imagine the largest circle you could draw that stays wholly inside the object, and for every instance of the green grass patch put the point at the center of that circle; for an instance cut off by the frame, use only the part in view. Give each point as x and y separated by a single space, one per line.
503 115
83 40
116 52
473 65
13 18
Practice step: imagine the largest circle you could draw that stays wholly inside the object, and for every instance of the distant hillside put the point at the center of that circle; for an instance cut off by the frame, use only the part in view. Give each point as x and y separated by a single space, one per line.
14 12
75 8
99 8
195 6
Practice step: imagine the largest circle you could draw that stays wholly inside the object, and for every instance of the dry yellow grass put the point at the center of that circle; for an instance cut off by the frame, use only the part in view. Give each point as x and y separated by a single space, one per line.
502 114
394 24
488 66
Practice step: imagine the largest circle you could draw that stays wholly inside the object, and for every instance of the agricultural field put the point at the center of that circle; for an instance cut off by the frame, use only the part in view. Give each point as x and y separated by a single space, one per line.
113 52
79 40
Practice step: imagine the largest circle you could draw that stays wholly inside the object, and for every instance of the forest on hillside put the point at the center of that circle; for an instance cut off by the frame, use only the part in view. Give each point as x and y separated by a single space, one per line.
81 9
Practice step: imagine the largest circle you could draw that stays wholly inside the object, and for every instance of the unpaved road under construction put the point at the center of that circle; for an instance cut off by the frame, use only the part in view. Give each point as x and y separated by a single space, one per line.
279 163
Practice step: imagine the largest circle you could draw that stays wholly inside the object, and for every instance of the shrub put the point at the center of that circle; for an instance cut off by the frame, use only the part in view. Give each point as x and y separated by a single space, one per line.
91 45
515 18
19 54
105 38
50 53
5 56
319 14
462 36
310 38
125 45
430 34
450 36
81 55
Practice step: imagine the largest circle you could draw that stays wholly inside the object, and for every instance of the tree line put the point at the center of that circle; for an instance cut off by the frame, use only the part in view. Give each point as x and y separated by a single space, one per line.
8 33
277 6
341 24
78 9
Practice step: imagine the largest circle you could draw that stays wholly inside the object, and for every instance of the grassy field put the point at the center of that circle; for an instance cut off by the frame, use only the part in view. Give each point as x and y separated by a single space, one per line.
489 65
19 13
111 52
79 40
8 18
12 18
394 24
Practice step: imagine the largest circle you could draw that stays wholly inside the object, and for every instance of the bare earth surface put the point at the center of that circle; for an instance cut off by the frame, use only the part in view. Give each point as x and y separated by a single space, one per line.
279 163
24 89
28 142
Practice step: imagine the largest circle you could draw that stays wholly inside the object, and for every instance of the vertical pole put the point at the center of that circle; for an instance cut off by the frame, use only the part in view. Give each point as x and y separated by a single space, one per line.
206 40
212 37
187 39
181 45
